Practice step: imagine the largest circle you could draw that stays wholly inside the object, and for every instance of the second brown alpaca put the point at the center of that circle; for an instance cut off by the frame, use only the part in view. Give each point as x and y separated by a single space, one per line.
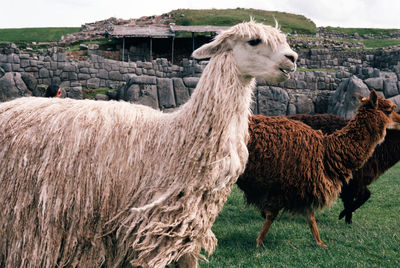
293 167
387 154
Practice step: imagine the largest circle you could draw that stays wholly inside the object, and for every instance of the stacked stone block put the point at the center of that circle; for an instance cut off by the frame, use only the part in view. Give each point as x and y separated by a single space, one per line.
161 85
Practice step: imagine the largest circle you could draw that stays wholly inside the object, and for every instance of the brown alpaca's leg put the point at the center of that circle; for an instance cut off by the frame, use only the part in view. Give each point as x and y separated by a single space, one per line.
270 216
314 229
347 195
360 200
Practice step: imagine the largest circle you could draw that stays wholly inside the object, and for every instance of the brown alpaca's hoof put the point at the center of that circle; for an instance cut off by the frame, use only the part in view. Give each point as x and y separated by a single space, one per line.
342 214
321 244
348 219
260 244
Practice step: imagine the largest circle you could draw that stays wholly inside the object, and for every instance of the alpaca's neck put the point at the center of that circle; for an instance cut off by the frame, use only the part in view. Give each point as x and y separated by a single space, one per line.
349 148
386 154
219 108
220 98
220 88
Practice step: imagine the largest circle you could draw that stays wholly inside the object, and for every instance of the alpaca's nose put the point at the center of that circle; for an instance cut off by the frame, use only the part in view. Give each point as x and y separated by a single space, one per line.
292 57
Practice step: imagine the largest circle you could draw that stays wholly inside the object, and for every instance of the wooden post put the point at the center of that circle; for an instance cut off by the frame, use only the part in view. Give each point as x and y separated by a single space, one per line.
192 52
192 41
151 49
172 56
123 48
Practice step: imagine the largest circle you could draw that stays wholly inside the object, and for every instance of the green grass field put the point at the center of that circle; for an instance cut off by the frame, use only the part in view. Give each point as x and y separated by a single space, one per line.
373 240
34 34
369 43
377 43
361 31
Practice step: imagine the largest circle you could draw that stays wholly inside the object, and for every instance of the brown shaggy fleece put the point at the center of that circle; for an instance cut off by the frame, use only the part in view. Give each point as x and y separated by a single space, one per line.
327 123
294 167
386 155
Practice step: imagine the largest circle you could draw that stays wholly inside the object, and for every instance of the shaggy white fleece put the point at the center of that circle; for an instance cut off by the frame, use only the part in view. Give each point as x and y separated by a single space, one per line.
86 183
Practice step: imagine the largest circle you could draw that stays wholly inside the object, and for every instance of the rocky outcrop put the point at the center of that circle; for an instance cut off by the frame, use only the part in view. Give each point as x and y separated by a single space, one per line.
12 86
98 29
141 90
344 101
272 100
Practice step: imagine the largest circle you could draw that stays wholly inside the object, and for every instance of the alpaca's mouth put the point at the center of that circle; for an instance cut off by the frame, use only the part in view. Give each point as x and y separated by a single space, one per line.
285 72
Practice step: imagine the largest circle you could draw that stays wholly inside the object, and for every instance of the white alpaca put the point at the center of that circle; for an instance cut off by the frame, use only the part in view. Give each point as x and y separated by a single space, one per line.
88 183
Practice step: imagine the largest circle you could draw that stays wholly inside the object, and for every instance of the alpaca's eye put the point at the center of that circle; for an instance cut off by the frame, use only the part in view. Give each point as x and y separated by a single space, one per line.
387 112
254 42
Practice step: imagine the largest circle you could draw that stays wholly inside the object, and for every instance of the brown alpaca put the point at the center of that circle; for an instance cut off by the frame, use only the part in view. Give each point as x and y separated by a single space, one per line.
293 167
387 154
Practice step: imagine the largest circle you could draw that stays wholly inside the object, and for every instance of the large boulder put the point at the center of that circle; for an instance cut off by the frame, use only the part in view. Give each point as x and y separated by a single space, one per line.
390 87
30 82
304 104
375 83
396 100
180 90
166 93
73 92
272 100
344 101
40 90
12 86
141 90
322 102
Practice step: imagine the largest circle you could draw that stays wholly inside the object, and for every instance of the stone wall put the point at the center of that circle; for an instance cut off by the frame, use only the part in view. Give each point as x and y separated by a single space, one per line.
164 86
304 92
96 72
387 59
324 58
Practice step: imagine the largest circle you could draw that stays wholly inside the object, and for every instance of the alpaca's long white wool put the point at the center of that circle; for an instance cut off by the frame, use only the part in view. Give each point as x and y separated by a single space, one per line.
88 183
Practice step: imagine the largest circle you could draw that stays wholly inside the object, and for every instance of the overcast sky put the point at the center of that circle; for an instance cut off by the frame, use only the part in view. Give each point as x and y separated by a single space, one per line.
74 13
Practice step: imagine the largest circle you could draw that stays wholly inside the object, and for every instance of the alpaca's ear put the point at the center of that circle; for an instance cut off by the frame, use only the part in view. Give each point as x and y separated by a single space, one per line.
373 98
215 47
359 96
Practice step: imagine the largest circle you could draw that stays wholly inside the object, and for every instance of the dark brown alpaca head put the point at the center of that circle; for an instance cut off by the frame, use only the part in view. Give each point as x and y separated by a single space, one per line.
362 134
384 109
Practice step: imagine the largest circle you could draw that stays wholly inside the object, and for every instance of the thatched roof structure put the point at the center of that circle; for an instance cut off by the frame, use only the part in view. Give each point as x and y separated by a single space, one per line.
152 32
198 29
161 32
135 31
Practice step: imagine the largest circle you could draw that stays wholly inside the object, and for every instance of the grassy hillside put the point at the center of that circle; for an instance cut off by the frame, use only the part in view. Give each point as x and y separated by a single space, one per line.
378 43
34 34
361 31
227 17
219 17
